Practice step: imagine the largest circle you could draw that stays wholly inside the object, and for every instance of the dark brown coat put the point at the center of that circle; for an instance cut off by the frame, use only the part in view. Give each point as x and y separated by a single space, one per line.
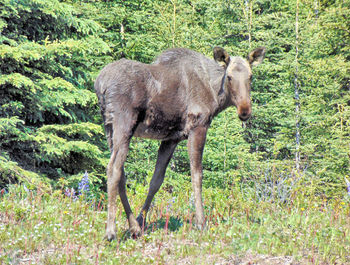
173 99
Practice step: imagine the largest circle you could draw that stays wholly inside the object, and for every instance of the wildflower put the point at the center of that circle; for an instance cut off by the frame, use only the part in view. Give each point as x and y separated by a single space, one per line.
84 187
302 209
70 193
170 204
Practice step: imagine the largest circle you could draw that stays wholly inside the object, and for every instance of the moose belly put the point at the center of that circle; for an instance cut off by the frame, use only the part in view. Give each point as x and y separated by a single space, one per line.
159 129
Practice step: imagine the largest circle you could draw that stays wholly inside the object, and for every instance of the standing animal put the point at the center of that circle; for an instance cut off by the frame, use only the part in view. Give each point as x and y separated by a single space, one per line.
173 99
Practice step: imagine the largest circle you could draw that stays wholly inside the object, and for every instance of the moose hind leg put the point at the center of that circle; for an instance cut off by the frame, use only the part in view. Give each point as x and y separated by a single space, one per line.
113 179
116 178
165 152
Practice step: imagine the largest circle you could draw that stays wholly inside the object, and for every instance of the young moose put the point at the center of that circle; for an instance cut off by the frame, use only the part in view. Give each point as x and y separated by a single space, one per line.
171 100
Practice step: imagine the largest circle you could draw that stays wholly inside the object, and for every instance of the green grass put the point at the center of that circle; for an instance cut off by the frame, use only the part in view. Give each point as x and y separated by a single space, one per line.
50 228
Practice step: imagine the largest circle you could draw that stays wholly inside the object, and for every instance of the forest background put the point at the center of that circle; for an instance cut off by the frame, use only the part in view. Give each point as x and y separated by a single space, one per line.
274 186
51 52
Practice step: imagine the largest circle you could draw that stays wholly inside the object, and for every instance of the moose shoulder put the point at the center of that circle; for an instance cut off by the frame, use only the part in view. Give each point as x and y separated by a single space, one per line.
173 99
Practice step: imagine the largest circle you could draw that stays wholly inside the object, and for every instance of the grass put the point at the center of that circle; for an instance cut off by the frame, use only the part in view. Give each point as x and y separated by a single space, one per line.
51 228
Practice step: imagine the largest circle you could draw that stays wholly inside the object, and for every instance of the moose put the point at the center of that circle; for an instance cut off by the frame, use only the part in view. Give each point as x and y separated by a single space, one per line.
173 99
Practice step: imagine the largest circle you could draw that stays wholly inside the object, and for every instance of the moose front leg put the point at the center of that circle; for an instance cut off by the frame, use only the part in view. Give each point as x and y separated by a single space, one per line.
195 145
165 152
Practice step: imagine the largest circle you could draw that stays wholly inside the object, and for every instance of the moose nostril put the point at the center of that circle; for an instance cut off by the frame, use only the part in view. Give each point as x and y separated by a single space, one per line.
244 111
244 115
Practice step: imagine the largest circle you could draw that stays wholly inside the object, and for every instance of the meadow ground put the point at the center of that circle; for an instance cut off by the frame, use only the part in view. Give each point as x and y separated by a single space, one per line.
47 227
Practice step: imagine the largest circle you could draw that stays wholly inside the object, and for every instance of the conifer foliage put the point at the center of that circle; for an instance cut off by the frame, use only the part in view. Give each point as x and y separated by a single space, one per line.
48 58
51 51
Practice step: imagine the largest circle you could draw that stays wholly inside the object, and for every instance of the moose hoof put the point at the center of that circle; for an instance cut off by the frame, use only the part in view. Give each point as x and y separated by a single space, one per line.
110 236
141 221
135 231
134 227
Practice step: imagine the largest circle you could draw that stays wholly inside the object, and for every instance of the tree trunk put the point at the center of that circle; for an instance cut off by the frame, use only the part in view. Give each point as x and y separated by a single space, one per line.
296 91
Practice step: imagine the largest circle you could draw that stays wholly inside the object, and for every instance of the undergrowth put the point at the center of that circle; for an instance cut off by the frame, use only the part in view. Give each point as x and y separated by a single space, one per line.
39 227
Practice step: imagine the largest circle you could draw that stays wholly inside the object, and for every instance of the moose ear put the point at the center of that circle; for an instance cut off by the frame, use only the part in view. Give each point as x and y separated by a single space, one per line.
257 56
221 56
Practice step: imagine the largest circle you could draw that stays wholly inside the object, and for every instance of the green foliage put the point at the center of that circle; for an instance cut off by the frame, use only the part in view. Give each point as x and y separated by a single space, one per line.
14 174
254 198
325 82
47 104
51 52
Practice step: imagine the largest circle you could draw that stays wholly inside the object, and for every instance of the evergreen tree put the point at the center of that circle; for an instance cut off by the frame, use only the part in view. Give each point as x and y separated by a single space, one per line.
51 52
48 58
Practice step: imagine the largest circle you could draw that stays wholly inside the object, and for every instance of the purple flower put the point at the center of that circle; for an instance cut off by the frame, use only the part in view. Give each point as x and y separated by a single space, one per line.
84 187
70 193
170 204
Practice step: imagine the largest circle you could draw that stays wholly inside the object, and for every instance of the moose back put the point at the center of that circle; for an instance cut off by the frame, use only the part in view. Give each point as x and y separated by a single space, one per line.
173 99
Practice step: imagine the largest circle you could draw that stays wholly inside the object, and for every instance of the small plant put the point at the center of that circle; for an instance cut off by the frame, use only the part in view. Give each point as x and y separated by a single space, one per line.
276 186
84 187
70 192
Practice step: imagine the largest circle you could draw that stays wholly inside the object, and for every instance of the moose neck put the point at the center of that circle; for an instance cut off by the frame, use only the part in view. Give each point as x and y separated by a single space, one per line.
219 84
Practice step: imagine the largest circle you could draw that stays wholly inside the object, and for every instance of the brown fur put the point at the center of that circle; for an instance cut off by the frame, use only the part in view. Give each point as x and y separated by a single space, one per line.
173 99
